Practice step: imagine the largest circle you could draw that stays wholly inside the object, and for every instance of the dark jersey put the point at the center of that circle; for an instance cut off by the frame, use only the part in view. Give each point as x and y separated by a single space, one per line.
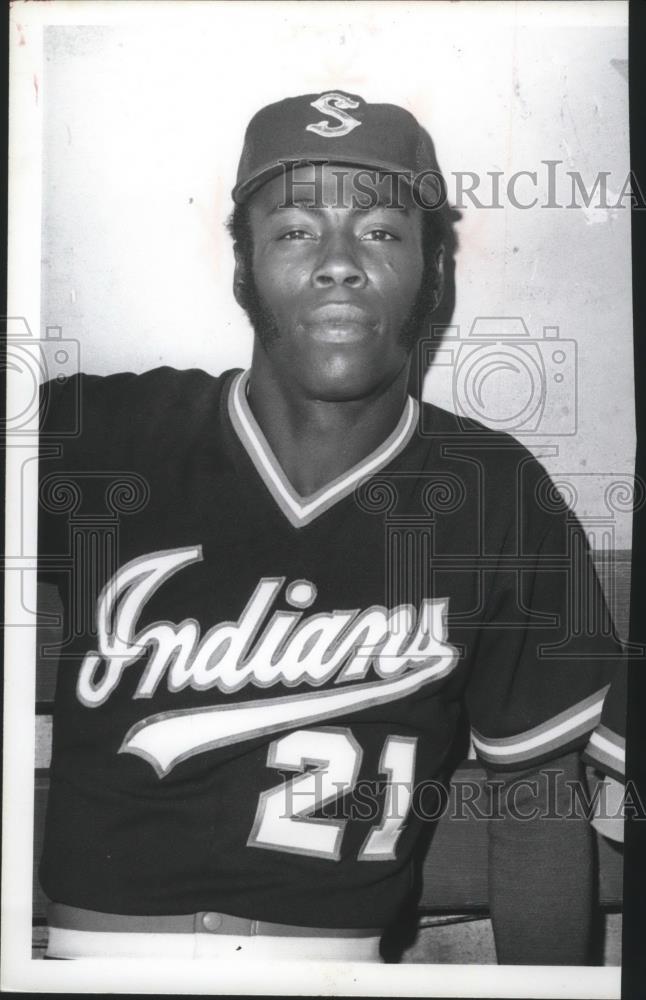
255 688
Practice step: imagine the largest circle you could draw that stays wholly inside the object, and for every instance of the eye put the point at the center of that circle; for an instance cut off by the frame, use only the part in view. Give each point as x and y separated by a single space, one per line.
378 235
296 234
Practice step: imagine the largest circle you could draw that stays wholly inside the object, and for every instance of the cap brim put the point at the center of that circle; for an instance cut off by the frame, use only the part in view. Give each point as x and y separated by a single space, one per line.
242 192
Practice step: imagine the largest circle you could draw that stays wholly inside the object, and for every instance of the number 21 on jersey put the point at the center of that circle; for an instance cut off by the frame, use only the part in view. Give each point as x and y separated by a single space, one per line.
327 762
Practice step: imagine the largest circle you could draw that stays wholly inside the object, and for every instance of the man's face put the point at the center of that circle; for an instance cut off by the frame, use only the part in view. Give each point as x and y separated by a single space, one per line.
336 284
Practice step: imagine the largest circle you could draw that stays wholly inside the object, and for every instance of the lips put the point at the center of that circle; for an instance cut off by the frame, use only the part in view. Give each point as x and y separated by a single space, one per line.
339 321
344 309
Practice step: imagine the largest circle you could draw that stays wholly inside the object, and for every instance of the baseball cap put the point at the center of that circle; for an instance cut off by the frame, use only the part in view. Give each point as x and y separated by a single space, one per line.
335 127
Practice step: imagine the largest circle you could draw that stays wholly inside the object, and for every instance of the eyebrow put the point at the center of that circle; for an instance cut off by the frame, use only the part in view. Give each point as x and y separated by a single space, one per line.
307 206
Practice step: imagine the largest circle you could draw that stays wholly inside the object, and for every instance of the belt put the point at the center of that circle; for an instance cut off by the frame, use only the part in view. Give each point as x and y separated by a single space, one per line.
205 922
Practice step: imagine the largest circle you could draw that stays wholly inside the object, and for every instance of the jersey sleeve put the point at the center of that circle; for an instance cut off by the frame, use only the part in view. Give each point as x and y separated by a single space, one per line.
84 430
606 748
100 434
547 655
60 429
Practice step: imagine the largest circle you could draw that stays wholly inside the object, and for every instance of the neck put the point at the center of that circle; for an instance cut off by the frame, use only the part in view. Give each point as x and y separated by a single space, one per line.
316 440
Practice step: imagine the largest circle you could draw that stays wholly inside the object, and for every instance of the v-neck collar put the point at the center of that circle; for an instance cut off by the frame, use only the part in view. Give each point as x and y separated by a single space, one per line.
300 510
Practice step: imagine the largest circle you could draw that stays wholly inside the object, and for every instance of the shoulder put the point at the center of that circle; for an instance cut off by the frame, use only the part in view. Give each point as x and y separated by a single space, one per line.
158 382
509 478
494 448
130 417
169 392
127 395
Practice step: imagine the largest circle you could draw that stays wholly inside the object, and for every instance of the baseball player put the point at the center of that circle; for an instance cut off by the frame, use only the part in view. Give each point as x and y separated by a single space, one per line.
322 578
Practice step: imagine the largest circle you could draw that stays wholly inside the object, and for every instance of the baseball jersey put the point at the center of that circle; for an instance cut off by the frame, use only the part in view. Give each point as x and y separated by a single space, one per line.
257 690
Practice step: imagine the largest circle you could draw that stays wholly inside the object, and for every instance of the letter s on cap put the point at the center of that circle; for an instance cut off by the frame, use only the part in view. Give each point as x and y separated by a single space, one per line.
334 105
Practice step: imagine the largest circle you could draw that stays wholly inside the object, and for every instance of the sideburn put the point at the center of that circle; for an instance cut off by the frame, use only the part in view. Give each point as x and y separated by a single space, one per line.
262 320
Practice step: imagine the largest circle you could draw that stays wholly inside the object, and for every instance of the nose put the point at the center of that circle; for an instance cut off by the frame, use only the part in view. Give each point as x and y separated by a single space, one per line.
338 265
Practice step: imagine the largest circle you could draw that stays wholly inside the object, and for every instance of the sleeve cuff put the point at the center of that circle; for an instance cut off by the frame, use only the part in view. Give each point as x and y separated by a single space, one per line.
545 740
606 751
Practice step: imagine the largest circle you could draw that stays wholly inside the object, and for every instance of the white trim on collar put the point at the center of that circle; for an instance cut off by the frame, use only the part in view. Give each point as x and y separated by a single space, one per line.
302 510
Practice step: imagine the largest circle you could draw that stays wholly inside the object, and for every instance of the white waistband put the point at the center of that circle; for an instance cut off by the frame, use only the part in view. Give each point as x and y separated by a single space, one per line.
64 943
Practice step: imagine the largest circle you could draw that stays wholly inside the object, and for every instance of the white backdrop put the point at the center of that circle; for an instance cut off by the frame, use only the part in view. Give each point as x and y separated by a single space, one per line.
143 123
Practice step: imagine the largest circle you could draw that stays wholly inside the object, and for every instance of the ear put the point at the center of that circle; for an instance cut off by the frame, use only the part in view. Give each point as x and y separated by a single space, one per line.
239 278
